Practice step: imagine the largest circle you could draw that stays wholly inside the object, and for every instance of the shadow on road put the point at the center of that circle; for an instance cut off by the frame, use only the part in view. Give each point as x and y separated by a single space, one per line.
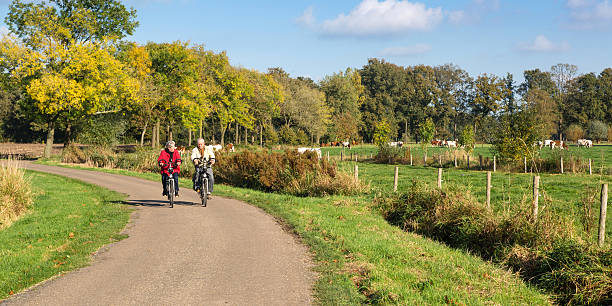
156 203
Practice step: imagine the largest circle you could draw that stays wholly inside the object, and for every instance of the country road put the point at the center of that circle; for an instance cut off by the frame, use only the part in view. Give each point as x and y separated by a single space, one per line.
229 253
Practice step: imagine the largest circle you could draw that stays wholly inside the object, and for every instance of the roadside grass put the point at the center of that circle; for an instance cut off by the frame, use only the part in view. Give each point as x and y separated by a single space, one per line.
361 258
68 221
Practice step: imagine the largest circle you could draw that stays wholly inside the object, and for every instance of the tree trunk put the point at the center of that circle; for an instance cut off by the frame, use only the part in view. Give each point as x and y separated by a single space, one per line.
260 135
201 128
68 135
236 138
406 130
49 143
189 137
142 135
223 129
212 127
169 132
157 127
246 136
153 136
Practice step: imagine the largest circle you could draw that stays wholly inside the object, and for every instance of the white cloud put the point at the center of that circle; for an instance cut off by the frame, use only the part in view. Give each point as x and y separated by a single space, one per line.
406 51
307 18
576 3
543 44
586 14
457 16
373 18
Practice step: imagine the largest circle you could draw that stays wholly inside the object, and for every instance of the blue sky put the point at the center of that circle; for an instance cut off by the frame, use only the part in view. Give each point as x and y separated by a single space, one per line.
318 38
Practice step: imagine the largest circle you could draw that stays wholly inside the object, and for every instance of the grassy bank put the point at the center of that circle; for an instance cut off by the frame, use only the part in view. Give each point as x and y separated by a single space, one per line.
363 259
60 232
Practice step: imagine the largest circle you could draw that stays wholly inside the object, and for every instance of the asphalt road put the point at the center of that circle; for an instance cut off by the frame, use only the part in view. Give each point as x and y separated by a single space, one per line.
229 253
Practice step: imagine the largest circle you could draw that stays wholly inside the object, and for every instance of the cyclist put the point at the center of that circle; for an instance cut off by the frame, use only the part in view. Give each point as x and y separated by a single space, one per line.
170 156
199 154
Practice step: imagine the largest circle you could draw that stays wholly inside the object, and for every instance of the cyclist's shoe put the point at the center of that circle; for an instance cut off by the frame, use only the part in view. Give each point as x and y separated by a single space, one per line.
209 193
165 193
197 190
176 194
208 196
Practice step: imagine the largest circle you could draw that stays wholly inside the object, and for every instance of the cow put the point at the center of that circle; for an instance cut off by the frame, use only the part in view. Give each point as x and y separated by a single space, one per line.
346 144
230 147
585 143
451 143
558 144
316 150
217 147
436 143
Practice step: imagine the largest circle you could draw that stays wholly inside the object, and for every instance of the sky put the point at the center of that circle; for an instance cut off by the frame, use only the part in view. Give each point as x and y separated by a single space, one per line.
319 38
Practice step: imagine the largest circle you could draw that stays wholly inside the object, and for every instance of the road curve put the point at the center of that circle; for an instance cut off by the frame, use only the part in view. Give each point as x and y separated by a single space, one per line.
228 253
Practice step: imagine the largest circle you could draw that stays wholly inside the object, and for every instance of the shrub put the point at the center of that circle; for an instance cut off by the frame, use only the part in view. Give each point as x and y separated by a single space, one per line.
269 134
597 130
301 138
287 135
100 156
290 172
574 132
15 193
547 253
73 154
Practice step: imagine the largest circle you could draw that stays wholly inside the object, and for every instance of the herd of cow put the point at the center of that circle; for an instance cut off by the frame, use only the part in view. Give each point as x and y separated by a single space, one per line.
562 145
444 143
344 144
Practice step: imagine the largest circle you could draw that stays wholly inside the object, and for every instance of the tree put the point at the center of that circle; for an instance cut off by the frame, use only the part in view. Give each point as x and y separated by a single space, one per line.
66 62
266 99
516 135
467 138
344 96
454 84
597 130
574 132
427 130
544 109
488 91
381 133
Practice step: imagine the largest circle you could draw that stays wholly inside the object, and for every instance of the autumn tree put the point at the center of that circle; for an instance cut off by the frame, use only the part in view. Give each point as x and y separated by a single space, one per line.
67 64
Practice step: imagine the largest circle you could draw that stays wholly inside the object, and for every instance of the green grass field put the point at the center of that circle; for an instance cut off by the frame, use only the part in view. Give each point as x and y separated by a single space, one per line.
63 228
363 259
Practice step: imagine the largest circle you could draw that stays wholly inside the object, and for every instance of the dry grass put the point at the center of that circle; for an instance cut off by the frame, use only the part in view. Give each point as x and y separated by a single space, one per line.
15 193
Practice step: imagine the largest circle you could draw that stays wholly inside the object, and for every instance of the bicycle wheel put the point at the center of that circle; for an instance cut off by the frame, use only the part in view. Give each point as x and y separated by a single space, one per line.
171 191
204 192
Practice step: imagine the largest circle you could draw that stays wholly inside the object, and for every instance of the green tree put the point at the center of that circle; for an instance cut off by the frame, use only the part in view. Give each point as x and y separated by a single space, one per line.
466 139
488 92
381 133
574 132
597 130
516 135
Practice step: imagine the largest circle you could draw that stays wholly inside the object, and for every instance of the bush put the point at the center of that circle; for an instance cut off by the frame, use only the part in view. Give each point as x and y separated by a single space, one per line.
290 172
597 130
287 135
546 253
270 136
15 193
301 138
574 132
73 154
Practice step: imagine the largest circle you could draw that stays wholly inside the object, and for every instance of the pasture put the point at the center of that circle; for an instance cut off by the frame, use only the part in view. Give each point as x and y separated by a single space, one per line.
565 194
600 154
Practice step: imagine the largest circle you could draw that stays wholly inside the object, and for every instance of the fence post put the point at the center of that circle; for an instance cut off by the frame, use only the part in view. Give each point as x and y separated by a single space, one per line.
356 173
439 177
525 162
356 157
590 171
480 160
411 159
561 164
455 160
424 159
440 159
395 179
494 164
327 156
602 214
342 155
536 194
351 155
489 189
468 162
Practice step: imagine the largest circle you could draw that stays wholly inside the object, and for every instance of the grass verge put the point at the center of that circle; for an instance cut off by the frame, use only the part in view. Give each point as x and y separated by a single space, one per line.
63 228
363 259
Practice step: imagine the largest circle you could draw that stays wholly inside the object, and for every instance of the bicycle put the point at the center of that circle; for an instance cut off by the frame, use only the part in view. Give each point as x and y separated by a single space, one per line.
203 179
170 185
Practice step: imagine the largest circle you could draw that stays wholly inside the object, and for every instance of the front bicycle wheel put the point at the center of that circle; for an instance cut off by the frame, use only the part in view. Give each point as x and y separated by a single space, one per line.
171 191
204 192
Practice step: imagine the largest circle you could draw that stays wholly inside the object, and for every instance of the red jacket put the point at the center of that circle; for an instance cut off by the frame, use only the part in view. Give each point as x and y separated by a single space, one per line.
164 158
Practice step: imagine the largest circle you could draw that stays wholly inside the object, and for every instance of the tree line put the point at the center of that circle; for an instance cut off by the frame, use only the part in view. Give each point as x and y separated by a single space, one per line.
68 74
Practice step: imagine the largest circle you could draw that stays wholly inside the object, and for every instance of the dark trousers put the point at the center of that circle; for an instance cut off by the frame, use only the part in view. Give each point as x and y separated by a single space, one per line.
165 178
211 178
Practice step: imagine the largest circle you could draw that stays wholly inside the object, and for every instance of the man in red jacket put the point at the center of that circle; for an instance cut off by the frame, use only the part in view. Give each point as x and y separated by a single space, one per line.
170 156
